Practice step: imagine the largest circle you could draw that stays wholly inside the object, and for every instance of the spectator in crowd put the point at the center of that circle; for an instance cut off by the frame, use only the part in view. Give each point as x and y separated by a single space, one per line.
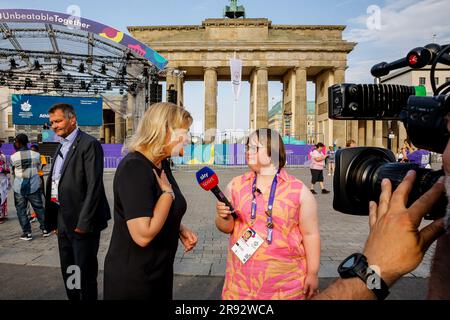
4 185
350 143
316 168
421 157
331 160
31 214
25 165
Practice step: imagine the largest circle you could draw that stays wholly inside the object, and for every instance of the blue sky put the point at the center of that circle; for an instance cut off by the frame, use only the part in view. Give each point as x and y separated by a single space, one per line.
403 25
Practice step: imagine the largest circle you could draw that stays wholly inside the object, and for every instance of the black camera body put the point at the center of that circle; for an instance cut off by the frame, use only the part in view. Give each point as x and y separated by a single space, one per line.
359 171
423 117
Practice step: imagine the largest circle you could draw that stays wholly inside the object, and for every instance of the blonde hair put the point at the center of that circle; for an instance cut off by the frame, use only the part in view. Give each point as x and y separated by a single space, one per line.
159 120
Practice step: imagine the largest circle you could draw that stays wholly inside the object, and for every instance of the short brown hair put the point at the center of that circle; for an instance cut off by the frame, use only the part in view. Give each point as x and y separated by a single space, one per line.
350 142
320 145
267 134
69 111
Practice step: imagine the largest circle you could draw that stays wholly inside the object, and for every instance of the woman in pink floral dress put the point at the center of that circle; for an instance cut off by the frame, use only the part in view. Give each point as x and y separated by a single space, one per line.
4 186
281 258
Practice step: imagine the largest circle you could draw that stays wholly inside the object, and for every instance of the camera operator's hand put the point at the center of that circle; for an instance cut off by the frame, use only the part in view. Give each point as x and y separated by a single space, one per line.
395 245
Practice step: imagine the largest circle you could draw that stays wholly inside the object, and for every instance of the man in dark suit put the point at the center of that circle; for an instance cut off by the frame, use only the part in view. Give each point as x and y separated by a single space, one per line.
76 204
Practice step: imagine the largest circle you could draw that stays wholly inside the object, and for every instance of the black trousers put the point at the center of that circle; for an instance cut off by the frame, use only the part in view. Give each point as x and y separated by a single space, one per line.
79 266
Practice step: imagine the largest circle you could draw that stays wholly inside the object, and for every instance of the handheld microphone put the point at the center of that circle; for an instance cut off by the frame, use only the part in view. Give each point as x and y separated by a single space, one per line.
208 180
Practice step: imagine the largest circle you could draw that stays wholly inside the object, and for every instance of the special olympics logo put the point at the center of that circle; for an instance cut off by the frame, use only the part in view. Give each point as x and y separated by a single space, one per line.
26 106
236 77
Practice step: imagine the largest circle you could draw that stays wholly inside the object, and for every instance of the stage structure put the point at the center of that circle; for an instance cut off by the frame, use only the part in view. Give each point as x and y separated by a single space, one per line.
51 53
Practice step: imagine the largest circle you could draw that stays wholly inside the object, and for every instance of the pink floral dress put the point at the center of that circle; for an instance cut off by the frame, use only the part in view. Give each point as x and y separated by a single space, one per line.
276 270
4 186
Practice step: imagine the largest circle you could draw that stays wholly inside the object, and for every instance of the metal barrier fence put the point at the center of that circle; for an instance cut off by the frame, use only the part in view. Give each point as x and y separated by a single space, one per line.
227 161
111 162
220 161
108 163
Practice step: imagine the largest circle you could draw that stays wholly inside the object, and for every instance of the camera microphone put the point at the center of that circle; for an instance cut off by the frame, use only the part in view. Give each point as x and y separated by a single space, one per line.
208 180
417 58
383 68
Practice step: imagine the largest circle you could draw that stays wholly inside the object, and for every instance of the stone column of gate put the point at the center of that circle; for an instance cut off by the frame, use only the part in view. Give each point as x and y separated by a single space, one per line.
299 117
378 141
107 134
339 126
361 133
369 133
118 128
171 80
210 124
252 109
180 90
402 134
262 97
129 125
354 131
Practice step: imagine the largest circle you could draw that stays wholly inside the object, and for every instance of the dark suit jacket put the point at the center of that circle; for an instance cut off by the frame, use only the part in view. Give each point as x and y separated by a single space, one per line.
81 193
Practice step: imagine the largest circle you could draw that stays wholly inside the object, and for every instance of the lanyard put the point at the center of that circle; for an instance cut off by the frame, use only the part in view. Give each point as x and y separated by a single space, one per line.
269 223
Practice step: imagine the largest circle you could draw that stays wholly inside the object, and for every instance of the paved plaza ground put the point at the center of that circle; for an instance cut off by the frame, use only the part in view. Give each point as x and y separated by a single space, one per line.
29 270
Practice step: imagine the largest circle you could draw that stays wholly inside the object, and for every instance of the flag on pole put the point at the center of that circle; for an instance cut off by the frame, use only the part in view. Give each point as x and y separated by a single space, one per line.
236 75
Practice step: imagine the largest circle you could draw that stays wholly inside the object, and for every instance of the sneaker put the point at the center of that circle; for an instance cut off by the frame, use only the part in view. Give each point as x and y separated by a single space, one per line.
46 234
26 237
325 191
313 191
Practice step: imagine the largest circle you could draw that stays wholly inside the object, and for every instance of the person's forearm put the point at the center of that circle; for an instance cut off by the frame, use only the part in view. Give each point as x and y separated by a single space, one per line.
225 225
312 249
346 289
439 283
160 214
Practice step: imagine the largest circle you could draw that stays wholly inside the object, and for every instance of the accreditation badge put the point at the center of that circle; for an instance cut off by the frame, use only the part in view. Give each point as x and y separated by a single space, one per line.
247 245
54 193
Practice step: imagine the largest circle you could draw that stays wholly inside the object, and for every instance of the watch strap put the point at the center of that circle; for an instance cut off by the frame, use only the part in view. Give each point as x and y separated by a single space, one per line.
360 268
375 283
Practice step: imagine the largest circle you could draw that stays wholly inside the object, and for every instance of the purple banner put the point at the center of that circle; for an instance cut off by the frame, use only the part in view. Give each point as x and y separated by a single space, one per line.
230 155
75 22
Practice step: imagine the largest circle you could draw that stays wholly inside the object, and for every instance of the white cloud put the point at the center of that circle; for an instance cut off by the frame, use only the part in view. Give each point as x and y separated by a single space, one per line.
359 71
404 24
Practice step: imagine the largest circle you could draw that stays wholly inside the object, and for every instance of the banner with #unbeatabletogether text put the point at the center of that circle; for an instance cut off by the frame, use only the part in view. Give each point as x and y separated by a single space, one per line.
79 23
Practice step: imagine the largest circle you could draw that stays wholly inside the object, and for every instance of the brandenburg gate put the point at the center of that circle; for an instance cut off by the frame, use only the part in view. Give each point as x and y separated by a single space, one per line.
292 54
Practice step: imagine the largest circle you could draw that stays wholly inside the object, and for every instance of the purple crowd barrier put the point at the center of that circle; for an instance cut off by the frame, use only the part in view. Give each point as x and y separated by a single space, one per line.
229 155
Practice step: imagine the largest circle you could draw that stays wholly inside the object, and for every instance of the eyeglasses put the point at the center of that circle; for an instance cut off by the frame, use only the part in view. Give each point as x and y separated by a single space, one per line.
253 148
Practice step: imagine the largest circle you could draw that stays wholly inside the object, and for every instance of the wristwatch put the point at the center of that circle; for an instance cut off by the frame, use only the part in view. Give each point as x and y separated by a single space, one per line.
170 192
356 266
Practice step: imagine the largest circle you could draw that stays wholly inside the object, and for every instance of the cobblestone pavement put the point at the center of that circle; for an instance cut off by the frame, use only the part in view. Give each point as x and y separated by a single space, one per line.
341 234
